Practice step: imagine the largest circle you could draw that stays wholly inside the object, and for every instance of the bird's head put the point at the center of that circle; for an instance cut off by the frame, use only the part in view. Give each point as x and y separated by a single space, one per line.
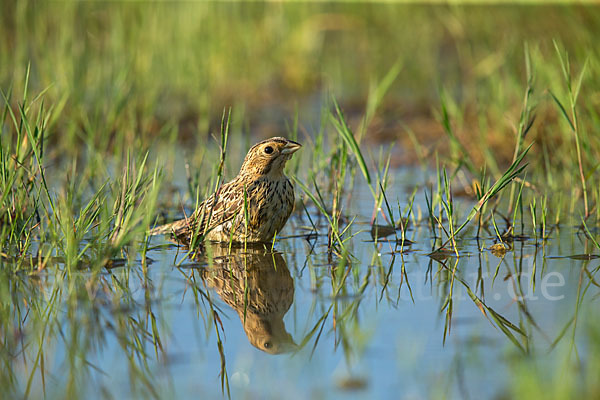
268 333
269 157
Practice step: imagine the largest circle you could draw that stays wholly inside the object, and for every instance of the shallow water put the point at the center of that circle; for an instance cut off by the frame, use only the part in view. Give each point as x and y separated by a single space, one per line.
295 322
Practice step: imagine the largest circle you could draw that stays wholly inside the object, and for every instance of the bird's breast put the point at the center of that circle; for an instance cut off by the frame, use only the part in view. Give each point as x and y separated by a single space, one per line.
272 205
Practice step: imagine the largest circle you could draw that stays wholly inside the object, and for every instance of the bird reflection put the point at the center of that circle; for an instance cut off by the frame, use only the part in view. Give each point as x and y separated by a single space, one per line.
257 284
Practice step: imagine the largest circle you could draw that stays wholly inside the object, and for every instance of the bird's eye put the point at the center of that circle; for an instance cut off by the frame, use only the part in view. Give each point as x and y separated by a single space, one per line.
268 149
267 344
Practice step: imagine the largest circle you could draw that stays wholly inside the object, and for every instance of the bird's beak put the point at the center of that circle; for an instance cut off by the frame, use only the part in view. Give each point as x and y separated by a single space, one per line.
290 147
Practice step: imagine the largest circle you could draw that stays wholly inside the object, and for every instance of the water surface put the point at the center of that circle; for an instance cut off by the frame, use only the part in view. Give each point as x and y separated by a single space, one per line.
297 321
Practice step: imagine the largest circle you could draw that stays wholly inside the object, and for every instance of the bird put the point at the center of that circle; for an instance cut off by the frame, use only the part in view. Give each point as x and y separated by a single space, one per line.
257 284
252 207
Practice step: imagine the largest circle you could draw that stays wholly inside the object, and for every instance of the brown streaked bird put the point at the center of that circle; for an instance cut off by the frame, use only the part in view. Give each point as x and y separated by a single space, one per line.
269 200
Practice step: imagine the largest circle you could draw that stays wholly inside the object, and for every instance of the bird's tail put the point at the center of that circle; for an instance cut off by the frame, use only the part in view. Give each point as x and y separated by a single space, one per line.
173 227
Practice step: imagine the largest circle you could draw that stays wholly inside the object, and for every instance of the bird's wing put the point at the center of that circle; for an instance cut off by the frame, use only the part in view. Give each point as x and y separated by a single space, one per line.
223 205
220 207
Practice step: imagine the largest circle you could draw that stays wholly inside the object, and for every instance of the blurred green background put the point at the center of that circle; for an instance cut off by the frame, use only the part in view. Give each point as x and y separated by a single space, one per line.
121 72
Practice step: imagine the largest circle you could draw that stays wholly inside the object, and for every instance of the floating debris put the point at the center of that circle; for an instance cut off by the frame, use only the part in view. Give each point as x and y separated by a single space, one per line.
499 249
583 256
351 383
442 253
381 231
